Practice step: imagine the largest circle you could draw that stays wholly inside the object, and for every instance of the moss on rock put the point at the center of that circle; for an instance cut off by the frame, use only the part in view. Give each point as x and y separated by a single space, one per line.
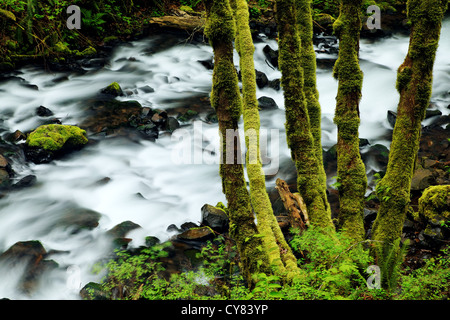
435 201
54 137
113 89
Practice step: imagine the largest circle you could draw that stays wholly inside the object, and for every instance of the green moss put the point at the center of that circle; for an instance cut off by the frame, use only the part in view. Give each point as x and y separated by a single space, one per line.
226 99
219 24
89 51
53 137
298 129
435 201
113 89
7 14
186 9
62 48
403 78
283 265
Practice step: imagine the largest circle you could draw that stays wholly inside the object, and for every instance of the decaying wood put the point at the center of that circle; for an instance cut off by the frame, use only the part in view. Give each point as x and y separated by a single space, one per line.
294 205
180 20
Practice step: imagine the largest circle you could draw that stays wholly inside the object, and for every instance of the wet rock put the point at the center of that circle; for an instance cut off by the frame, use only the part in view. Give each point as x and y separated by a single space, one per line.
52 141
200 234
261 79
6 173
147 89
113 89
267 103
422 179
110 115
173 228
434 142
151 241
391 117
5 181
31 254
271 55
43 112
215 218
93 291
25 182
188 225
171 124
150 130
188 115
275 84
17 136
208 63
78 219
211 117
121 230
379 152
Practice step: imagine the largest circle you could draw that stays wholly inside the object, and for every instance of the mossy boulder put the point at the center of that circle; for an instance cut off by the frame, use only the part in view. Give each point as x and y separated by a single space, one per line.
49 141
434 203
113 89
215 218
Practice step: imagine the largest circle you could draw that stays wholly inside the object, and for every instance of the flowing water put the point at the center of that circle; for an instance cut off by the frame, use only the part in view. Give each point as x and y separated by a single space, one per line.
144 182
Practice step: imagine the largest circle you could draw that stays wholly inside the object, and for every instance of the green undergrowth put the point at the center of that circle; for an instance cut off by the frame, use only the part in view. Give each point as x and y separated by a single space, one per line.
330 271
32 28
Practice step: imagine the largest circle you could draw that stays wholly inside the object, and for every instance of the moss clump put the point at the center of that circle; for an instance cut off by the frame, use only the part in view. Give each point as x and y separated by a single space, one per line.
89 51
62 48
54 137
7 14
113 89
435 201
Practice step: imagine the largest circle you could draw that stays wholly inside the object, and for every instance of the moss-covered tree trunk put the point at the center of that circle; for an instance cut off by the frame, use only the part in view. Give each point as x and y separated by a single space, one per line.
298 130
308 64
350 168
279 253
414 83
226 99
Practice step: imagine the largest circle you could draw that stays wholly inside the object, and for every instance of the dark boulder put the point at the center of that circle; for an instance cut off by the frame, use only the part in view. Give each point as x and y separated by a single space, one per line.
271 55
215 218
200 234
267 103
43 112
32 255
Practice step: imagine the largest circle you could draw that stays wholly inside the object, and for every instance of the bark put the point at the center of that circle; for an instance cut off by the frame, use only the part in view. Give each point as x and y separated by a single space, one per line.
350 168
280 255
414 83
298 130
226 99
294 205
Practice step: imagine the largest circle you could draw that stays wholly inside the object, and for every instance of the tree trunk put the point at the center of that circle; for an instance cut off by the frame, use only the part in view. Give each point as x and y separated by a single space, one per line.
414 83
351 172
226 99
281 258
298 130
308 64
